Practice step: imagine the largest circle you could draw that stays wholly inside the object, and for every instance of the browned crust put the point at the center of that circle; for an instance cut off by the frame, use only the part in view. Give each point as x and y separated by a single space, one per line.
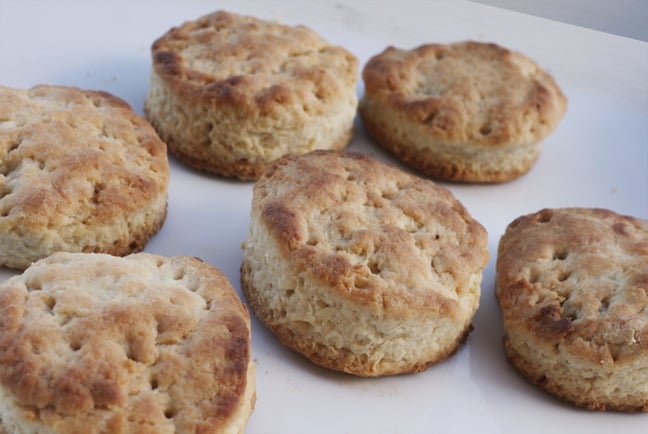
81 160
444 108
520 87
315 182
241 91
573 283
232 93
181 364
360 266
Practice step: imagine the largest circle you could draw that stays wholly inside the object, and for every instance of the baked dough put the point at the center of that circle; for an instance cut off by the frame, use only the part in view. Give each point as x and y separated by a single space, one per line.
359 266
79 171
93 343
231 93
468 111
573 288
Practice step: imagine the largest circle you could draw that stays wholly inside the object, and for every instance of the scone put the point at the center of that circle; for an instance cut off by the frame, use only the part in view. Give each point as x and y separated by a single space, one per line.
573 289
469 111
359 266
93 343
231 93
79 171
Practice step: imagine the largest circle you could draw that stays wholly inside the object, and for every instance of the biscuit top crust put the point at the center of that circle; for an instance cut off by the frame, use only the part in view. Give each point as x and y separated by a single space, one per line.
93 343
253 65
74 157
467 92
378 236
577 279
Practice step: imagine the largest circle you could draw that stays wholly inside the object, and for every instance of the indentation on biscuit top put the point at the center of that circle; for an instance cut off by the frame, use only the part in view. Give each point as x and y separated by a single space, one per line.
361 281
5 188
560 254
179 273
63 320
605 305
49 302
130 351
544 216
8 164
486 129
373 266
389 194
75 345
169 412
96 193
14 144
95 100
566 310
431 116
153 381
534 276
7 123
104 134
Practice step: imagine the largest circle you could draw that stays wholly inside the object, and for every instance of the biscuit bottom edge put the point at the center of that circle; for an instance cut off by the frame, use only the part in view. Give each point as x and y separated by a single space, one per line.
393 354
451 161
591 388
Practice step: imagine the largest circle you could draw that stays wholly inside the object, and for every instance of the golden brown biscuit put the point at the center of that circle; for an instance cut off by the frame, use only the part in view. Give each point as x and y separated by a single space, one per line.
573 288
79 171
231 93
93 343
469 111
359 266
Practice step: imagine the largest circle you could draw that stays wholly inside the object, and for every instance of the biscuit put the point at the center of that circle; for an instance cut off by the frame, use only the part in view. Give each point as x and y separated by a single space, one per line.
79 171
359 266
469 111
231 93
94 343
573 289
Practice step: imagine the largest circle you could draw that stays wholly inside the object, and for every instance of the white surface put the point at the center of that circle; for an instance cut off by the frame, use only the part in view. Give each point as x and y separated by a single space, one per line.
597 157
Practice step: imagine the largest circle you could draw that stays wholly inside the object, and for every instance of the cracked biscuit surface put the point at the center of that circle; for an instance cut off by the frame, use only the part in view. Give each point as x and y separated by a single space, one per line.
231 93
360 266
468 111
573 289
79 171
93 343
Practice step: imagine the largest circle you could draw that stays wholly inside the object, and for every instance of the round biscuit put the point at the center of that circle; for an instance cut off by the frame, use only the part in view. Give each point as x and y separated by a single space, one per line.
79 171
231 93
572 284
468 111
93 343
359 266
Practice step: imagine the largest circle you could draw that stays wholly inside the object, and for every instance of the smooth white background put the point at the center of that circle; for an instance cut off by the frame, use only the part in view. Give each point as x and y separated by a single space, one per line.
598 157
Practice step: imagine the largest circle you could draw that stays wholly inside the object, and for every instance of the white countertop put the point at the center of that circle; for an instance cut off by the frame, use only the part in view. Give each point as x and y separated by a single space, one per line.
598 157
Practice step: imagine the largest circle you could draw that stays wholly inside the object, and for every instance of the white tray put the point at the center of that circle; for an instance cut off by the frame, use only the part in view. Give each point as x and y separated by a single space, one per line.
598 157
